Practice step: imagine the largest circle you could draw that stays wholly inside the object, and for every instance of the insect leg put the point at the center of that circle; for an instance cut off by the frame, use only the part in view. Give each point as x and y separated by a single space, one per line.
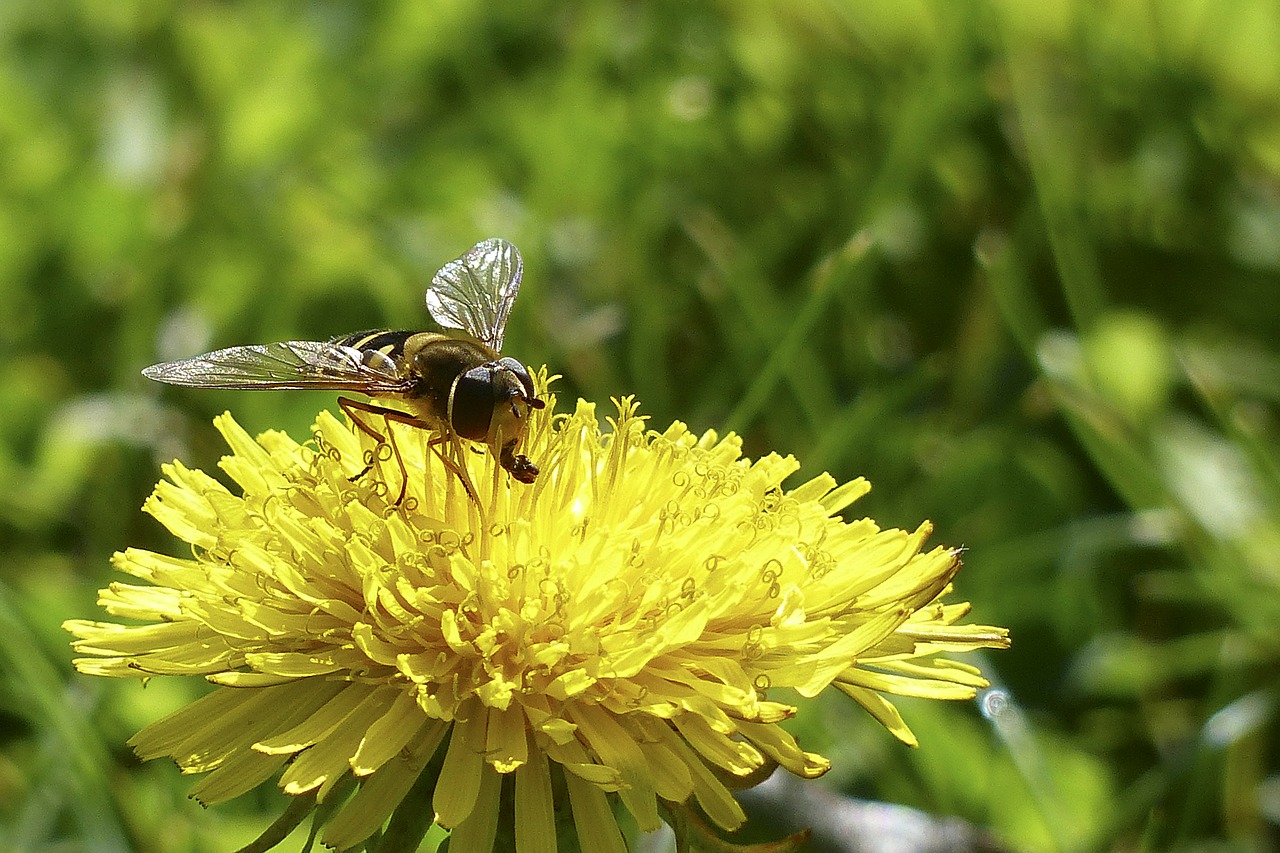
458 467
350 407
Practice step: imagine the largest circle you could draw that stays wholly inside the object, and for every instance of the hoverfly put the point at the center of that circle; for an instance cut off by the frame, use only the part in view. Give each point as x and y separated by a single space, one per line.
456 383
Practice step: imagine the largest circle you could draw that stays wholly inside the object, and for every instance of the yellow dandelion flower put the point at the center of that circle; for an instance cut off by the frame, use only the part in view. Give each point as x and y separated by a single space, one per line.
620 630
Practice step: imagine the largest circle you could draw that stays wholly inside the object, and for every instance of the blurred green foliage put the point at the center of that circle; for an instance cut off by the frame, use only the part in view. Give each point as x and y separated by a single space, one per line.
1017 263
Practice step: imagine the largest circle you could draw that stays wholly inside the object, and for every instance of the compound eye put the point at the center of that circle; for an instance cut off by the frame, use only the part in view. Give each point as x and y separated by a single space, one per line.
473 400
521 374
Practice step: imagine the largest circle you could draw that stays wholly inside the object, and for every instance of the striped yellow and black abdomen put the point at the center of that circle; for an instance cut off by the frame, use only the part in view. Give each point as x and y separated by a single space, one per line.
386 341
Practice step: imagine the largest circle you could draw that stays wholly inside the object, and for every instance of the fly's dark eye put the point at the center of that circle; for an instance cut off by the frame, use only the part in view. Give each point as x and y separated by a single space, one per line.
473 399
521 374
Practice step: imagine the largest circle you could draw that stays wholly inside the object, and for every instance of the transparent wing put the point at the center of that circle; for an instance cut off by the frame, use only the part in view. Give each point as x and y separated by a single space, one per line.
475 293
286 365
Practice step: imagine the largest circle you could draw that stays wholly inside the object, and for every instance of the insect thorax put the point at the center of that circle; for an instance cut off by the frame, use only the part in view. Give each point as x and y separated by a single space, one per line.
435 362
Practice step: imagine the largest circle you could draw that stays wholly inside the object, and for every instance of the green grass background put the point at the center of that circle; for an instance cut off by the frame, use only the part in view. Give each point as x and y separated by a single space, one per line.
1018 263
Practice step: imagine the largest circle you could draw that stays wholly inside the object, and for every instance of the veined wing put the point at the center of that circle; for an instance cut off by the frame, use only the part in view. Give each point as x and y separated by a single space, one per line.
286 365
475 293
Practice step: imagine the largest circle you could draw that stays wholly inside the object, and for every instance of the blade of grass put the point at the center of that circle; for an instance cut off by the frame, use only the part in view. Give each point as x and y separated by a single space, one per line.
78 782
